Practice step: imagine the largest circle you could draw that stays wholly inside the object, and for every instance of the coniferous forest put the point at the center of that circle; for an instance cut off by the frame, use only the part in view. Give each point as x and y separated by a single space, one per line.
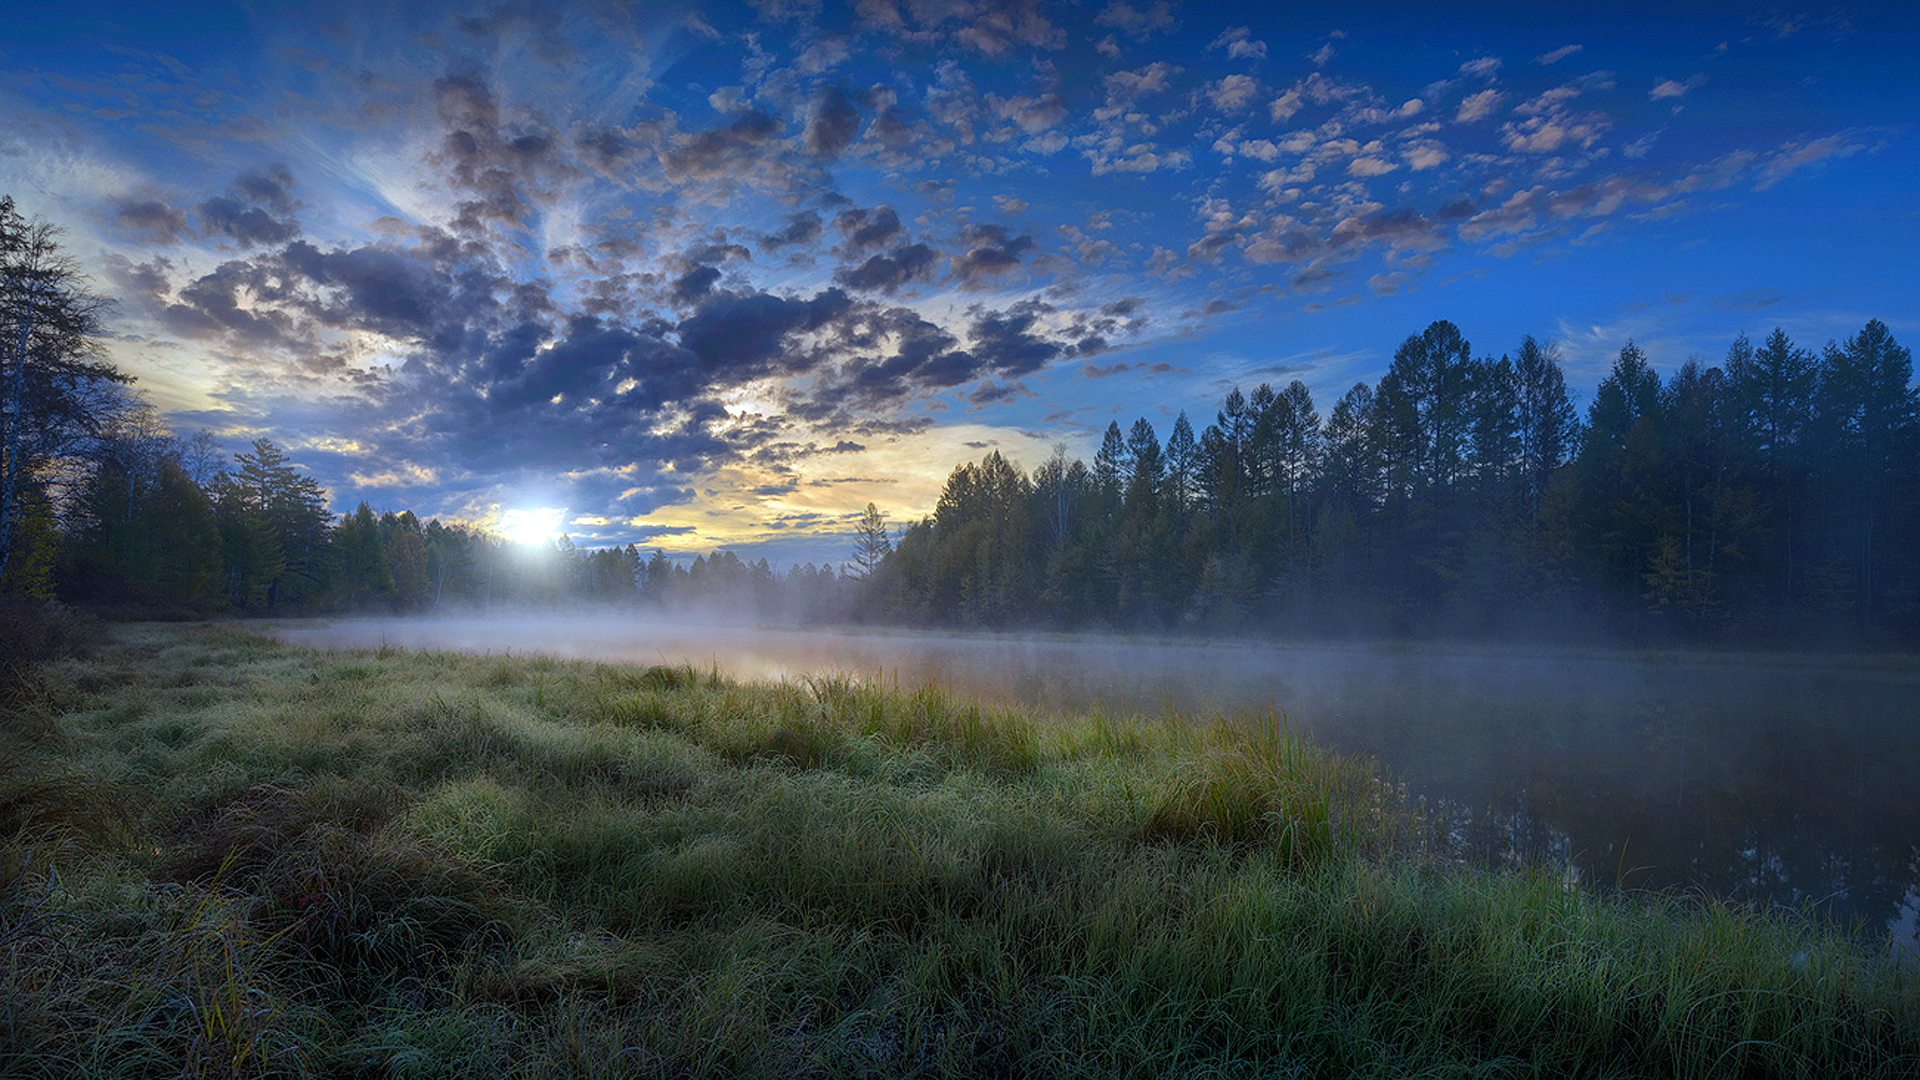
1771 498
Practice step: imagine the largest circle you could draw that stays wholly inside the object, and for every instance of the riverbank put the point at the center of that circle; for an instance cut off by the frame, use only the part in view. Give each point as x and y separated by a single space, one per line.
227 856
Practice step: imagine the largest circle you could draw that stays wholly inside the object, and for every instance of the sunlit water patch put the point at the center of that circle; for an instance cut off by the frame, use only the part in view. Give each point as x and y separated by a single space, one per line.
1781 781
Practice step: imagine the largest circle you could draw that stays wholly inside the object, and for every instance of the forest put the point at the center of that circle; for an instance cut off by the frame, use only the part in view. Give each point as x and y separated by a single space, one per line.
1769 498
1772 497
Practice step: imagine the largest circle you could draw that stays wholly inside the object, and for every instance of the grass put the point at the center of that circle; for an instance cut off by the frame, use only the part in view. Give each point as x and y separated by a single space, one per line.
226 857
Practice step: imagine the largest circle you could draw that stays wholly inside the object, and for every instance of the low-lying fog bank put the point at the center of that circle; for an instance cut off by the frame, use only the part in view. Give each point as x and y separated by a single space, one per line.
1782 780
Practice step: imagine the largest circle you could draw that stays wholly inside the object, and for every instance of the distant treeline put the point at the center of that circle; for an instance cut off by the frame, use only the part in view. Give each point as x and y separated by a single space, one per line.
165 526
1774 497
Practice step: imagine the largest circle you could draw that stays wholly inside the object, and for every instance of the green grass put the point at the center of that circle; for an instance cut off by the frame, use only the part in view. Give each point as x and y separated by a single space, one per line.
225 857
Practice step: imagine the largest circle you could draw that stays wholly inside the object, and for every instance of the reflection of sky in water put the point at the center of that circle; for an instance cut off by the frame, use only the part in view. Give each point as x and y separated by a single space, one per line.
1787 781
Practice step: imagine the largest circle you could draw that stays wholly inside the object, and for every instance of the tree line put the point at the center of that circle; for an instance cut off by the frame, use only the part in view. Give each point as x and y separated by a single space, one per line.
160 525
1771 497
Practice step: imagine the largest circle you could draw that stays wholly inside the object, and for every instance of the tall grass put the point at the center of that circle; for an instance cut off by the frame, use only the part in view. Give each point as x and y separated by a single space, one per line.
394 863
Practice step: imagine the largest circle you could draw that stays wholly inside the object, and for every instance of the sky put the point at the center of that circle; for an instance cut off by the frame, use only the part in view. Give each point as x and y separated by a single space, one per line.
695 276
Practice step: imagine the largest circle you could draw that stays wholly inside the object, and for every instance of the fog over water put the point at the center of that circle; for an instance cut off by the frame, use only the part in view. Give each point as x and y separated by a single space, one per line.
1782 780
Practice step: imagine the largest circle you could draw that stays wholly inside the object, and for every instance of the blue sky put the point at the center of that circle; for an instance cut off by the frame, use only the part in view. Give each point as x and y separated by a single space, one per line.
713 275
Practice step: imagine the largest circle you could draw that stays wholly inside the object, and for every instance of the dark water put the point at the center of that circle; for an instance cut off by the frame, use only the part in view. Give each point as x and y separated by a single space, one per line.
1789 781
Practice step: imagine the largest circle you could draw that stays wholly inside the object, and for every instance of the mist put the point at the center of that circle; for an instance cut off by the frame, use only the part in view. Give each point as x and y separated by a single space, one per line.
1771 779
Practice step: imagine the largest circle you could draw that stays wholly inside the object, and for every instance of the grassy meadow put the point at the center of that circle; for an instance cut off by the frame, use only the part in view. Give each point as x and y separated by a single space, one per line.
225 857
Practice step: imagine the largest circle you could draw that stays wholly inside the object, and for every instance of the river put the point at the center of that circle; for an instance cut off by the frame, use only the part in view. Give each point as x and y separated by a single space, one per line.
1776 780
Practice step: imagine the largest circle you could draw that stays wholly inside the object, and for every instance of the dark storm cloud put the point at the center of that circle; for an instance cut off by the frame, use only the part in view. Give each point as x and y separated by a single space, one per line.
833 125
724 155
745 333
247 212
993 254
393 292
887 273
212 305
505 162
271 188
801 228
160 222
1005 342
695 284
580 364
868 229
250 225
993 393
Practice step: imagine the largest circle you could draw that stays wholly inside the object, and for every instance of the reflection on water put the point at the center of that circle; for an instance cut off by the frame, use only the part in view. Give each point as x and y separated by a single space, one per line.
1787 781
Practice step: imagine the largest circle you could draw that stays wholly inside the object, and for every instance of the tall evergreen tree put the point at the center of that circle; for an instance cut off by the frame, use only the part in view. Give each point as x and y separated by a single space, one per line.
1549 428
56 392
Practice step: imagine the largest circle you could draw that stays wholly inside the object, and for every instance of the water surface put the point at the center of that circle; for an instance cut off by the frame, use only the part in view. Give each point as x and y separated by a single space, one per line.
1775 780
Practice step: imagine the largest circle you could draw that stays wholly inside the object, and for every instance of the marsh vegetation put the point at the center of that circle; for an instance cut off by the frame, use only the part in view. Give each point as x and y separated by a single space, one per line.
228 856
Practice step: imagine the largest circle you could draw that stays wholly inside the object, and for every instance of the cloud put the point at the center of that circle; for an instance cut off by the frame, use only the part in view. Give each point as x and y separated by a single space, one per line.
1671 88
1234 93
865 230
1239 43
833 125
1125 87
1484 67
801 228
992 255
1558 54
1139 22
246 212
887 273
1546 134
1478 106
1806 154
159 222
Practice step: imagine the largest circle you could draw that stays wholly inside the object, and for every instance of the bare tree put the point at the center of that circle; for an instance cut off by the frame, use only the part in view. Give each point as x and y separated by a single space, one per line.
56 392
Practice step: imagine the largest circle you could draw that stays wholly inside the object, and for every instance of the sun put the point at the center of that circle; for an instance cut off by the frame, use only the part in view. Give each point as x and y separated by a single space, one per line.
531 526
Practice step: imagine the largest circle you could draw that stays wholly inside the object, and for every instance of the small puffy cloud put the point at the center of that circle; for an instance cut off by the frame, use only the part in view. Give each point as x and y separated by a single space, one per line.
1033 114
1370 166
1481 68
1233 94
1673 88
1545 134
1558 54
1124 87
1138 21
1424 154
1478 106
1240 45
1321 55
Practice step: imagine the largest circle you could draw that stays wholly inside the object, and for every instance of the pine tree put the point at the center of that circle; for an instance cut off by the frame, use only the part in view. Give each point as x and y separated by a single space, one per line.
56 393
871 544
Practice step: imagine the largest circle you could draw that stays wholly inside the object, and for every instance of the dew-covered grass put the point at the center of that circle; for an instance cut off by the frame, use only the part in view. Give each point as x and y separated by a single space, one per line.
221 856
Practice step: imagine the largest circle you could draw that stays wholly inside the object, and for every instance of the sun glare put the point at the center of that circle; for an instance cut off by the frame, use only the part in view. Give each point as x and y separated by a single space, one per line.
531 526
